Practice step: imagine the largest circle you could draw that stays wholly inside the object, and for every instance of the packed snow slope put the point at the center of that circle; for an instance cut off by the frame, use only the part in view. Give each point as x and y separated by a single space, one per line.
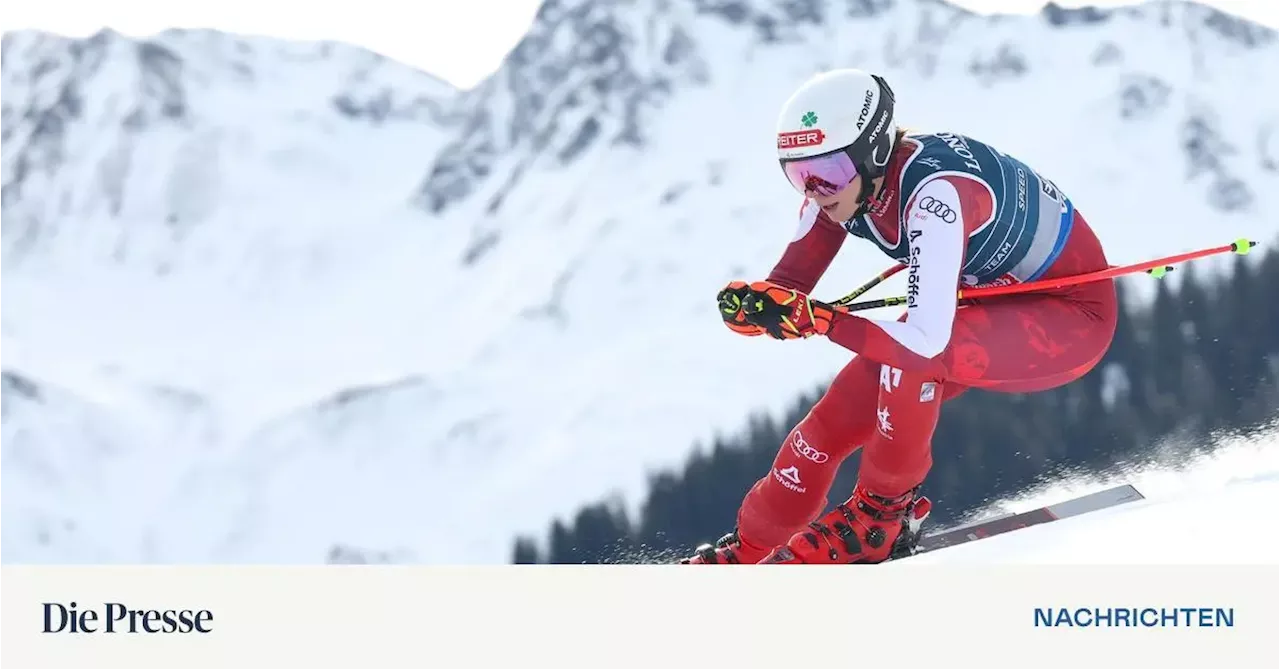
1240 473
264 298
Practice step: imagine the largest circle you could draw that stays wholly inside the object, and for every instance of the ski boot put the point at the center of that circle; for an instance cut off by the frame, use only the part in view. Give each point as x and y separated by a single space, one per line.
729 549
866 529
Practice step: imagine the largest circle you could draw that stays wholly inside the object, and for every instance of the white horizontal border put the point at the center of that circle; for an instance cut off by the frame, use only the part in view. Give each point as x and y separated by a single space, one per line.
650 616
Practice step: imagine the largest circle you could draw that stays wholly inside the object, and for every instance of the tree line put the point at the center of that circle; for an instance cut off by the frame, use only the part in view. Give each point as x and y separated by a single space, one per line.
1196 361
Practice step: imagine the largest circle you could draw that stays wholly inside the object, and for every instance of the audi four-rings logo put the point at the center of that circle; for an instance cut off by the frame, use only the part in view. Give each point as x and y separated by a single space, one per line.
799 445
938 208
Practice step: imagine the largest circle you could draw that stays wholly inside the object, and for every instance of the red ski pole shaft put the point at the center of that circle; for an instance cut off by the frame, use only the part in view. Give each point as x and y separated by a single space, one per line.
1156 267
1240 246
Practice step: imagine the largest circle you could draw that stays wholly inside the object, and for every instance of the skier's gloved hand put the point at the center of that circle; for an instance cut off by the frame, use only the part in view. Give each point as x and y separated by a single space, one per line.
730 302
785 313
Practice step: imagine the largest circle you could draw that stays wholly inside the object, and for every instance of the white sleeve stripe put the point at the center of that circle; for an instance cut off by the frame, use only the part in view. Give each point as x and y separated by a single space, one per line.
935 232
808 217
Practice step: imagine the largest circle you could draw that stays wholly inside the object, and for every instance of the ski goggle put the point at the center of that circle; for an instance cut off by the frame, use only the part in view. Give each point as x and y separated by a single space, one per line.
825 175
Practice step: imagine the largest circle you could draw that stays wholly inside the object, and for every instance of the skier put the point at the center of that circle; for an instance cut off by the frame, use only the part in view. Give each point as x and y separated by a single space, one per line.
957 212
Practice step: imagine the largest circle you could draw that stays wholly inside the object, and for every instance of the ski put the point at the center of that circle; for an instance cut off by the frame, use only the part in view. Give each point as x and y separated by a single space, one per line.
1009 522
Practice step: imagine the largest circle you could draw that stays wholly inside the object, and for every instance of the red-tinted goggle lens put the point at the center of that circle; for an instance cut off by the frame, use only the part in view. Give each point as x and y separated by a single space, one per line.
824 175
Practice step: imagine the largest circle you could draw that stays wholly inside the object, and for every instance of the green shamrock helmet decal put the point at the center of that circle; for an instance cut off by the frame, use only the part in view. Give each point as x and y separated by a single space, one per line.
809 119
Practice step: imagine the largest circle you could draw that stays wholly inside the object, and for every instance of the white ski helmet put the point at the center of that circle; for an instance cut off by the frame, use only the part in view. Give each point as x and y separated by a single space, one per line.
844 110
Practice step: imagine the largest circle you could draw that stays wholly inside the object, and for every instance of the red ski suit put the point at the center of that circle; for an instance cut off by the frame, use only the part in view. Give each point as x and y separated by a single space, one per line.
887 399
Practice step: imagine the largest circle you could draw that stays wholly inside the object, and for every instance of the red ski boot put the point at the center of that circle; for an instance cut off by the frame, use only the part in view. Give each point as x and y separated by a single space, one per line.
867 528
730 549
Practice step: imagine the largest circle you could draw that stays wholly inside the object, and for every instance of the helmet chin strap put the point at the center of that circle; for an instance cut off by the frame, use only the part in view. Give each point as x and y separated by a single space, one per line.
869 174
865 195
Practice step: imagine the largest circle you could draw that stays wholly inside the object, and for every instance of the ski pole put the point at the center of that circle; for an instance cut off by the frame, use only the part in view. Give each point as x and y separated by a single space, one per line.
1157 268
877 280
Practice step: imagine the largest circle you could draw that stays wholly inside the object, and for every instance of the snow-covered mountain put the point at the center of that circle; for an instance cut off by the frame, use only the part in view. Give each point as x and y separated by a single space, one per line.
147 152
265 299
